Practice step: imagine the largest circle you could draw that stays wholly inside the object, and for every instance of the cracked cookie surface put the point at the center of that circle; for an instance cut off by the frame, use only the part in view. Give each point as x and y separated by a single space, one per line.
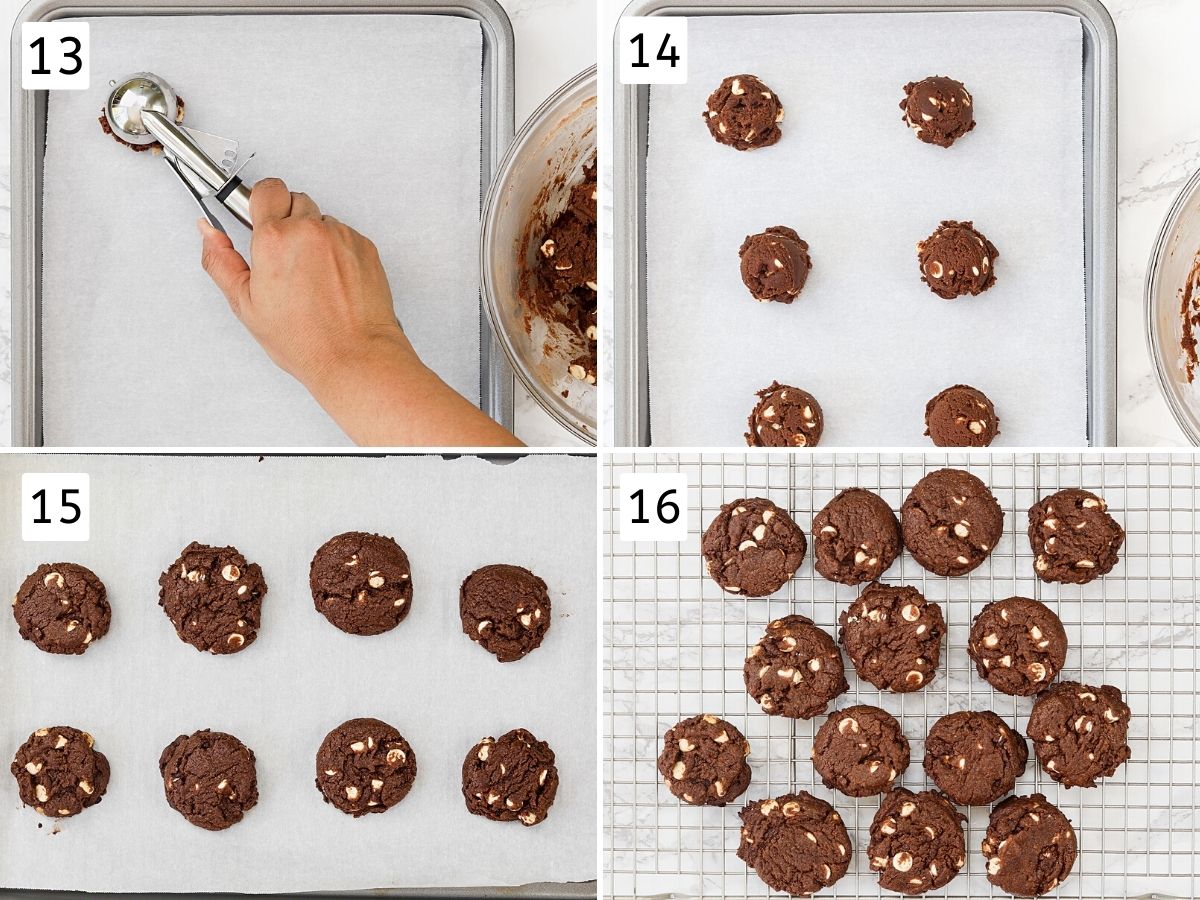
1073 538
796 843
752 547
209 778
59 772
795 669
361 583
856 537
62 608
1018 645
365 766
213 597
893 636
1079 732
974 757
860 751
511 778
917 842
505 609
703 761
951 522
1030 846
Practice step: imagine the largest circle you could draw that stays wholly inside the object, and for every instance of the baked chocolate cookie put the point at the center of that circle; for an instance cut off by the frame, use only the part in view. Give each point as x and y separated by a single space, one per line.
860 750
795 669
957 260
974 757
951 522
703 761
753 547
1018 645
939 110
59 771
775 264
856 537
893 635
796 843
210 778
917 842
1030 846
1079 732
361 582
505 609
62 608
510 778
744 113
785 416
213 597
961 416
1073 538
365 766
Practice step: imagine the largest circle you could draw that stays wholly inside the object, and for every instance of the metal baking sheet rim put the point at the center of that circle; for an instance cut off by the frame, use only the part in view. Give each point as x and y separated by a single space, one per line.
631 380
28 143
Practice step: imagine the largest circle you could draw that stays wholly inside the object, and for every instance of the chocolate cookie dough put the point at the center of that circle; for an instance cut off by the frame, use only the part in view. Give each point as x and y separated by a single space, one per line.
1079 732
957 260
938 109
1018 645
951 522
796 843
961 416
62 608
744 113
753 547
785 416
1030 846
210 778
59 772
213 597
893 636
510 778
505 609
703 761
361 582
795 669
974 757
860 750
775 264
365 766
917 841
180 108
1073 538
856 537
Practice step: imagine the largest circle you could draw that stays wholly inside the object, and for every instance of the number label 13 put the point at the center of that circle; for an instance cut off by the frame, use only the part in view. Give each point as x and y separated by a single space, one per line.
654 506
55 506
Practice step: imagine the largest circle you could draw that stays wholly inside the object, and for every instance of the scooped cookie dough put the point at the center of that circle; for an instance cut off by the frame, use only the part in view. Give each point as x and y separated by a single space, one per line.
510 778
951 522
796 843
974 757
961 416
62 608
1079 732
856 537
180 109
209 778
860 751
939 110
505 609
957 260
213 597
785 416
361 582
365 766
703 761
795 669
893 636
1073 538
917 842
59 772
744 113
1030 846
1018 645
775 264
753 547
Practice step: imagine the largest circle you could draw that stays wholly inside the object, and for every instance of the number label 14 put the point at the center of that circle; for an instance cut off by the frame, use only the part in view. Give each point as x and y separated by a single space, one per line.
55 506
654 506
652 50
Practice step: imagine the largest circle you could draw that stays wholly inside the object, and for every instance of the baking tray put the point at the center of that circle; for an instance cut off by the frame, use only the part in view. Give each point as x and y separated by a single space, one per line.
630 129
675 644
28 150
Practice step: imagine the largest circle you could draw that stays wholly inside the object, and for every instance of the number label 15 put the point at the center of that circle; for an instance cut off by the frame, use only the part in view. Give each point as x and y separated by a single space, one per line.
55 506
652 49
654 506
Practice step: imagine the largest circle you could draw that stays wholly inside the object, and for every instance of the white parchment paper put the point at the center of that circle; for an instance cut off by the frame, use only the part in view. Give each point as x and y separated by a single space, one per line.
377 117
140 686
866 337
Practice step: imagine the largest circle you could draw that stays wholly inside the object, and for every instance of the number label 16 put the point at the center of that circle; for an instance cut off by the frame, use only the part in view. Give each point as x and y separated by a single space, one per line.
654 506
55 506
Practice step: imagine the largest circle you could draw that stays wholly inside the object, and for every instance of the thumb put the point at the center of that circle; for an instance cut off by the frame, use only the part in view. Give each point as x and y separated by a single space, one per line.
225 266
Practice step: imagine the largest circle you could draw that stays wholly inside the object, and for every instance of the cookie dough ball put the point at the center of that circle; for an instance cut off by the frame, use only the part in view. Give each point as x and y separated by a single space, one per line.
1030 846
1073 538
917 842
753 547
961 416
505 609
856 536
957 260
510 778
209 778
860 751
796 843
361 582
938 109
795 669
1018 645
365 766
213 597
744 113
1079 732
59 772
785 416
62 608
775 264
951 522
974 757
703 761
893 635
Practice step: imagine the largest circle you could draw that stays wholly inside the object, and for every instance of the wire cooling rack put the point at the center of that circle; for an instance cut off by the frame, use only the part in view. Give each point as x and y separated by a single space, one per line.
675 644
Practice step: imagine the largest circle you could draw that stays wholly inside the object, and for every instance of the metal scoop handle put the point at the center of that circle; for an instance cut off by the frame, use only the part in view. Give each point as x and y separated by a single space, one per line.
177 143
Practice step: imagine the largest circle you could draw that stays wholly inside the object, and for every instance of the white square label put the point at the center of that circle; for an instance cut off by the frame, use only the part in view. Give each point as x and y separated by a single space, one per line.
55 506
652 49
54 56
654 506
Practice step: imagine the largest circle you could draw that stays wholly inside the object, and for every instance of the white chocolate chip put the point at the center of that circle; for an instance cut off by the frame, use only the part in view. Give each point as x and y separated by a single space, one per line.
376 580
54 579
910 612
395 756
231 572
848 724
41 793
678 771
736 88
746 545
907 809
902 861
